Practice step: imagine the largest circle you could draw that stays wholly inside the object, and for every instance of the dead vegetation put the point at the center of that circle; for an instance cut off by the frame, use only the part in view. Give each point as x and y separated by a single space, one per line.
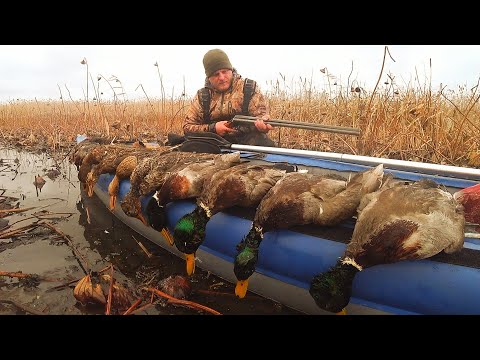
410 122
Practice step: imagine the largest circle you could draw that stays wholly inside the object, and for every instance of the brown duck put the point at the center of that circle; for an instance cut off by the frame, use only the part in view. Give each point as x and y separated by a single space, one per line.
185 183
98 152
83 148
301 199
125 169
242 185
149 175
112 157
400 222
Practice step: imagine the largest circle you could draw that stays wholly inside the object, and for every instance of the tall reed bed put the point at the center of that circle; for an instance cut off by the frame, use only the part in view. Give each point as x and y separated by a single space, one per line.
415 123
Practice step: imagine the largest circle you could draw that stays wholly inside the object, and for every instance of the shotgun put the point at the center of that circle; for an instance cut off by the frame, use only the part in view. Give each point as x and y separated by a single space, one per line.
241 119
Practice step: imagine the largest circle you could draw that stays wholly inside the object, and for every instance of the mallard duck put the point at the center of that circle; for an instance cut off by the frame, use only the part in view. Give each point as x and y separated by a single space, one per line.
185 183
95 150
401 222
113 156
125 169
149 175
83 148
96 153
301 199
241 185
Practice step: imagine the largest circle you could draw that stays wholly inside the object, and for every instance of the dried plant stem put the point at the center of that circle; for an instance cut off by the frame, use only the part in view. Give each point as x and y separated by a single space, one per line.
133 306
110 292
187 303
21 275
4 211
85 264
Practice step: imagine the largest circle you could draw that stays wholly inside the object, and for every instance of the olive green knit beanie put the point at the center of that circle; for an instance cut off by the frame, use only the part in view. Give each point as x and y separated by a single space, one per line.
215 60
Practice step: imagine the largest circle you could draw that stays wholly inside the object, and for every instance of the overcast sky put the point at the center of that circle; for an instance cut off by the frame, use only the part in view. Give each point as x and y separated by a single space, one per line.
37 71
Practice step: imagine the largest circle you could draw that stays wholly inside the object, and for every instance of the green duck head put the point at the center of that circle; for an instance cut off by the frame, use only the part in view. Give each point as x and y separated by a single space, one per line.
246 259
189 234
332 290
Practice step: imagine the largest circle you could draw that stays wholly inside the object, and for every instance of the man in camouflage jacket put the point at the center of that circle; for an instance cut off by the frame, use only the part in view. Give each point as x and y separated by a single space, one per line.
226 99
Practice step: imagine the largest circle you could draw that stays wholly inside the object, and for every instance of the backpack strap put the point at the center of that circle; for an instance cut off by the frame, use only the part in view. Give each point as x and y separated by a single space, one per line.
248 90
204 97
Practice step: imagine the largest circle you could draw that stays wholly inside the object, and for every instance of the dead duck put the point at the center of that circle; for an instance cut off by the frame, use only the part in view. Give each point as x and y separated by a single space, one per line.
401 222
97 153
83 148
300 199
185 183
149 175
113 156
241 185
125 169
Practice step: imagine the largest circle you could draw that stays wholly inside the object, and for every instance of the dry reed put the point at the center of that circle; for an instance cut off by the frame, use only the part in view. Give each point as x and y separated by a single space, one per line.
416 123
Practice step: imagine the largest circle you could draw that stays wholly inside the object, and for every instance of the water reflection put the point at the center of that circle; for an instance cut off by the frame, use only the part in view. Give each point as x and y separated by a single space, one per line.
100 238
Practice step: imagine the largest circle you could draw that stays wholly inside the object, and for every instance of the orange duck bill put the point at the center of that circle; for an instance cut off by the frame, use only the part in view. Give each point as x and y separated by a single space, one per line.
241 288
113 201
190 258
113 189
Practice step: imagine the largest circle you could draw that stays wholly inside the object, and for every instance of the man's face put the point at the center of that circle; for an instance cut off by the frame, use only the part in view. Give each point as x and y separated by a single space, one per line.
221 79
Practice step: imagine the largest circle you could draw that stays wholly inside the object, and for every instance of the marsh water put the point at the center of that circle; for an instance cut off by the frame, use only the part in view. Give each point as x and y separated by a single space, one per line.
96 240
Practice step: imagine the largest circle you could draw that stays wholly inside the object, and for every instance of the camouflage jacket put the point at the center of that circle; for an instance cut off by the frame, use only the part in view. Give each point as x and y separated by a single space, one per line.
224 106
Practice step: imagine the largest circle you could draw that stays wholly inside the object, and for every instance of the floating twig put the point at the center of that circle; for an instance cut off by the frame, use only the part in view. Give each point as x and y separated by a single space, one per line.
51 215
133 306
7 234
21 275
15 210
58 287
187 303
140 308
85 264
110 291
149 254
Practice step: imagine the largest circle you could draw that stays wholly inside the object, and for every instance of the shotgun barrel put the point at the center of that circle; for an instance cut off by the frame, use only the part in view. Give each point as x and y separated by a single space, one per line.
238 119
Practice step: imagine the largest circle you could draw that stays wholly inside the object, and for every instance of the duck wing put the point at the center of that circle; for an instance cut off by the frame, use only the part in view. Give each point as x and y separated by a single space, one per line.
243 185
407 221
188 181
295 199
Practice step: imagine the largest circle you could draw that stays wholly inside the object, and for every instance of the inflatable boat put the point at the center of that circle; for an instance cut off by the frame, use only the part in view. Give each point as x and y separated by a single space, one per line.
289 259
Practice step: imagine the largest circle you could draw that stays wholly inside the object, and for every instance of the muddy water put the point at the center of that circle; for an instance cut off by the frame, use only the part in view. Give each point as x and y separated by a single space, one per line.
99 240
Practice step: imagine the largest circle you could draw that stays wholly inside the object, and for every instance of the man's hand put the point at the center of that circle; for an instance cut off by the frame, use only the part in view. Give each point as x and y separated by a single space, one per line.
224 127
262 125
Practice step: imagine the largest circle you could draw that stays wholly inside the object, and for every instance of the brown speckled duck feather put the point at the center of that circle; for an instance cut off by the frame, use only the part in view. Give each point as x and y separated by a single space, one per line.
188 181
183 183
300 199
404 221
110 159
242 185
149 176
